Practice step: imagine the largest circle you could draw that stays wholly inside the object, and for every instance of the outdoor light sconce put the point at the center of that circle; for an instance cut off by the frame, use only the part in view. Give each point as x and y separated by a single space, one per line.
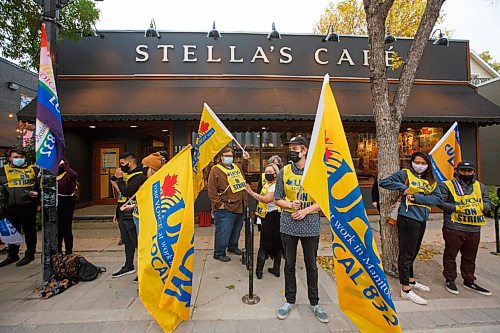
389 39
274 34
214 33
331 36
94 33
152 32
442 40
12 85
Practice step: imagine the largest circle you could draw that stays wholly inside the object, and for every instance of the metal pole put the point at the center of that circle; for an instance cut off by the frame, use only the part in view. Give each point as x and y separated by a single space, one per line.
49 183
249 298
497 231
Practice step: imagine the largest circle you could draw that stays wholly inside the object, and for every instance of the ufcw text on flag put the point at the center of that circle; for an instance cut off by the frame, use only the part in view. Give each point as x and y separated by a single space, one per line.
446 154
49 139
329 177
166 241
212 136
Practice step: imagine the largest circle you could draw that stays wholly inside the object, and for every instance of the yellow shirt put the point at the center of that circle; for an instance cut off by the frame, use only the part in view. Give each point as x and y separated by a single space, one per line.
468 207
20 177
234 177
292 188
419 186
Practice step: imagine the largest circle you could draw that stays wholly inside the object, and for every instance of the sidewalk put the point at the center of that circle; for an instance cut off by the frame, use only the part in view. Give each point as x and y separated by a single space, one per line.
113 305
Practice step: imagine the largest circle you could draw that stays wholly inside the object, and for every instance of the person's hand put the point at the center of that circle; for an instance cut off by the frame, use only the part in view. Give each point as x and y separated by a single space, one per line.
407 192
246 155
118 173
249 189
296 204
411 198
375 204
299 215
115 220
127 208
222 206
33 194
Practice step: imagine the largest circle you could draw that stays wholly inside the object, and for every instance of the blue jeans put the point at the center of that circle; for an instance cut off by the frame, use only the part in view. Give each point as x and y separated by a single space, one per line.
227 231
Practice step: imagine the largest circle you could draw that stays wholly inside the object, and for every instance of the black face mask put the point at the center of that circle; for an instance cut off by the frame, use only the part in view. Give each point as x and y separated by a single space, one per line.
465 178
125 168
145 170
294 156
269 177
60 170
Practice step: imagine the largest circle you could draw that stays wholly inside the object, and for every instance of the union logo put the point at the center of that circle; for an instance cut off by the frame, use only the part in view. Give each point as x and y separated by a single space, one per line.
205 131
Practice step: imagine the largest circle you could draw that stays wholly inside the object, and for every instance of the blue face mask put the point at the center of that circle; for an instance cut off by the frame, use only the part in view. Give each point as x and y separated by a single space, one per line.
227 160
18 161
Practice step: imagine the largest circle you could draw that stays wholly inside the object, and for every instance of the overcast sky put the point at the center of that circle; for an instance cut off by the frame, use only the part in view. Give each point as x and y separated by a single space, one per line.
474 20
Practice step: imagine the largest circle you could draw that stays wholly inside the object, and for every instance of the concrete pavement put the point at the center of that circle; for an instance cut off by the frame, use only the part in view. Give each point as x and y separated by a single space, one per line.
113 305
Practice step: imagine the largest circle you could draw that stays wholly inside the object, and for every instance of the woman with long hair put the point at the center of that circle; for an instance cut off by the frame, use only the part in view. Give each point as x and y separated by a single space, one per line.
418 187
270 237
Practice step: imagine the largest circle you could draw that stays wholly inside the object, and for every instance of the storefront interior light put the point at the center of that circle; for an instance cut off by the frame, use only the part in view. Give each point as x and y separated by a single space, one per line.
11 115
91 126
133 126
331 36
164 130
152 32
442 40
274 34
214 33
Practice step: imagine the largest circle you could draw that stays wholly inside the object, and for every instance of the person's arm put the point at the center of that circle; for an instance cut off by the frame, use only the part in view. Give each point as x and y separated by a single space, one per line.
268 198
432 199
395 182
302 213
279 193
447 200
133 185
213 195
486 198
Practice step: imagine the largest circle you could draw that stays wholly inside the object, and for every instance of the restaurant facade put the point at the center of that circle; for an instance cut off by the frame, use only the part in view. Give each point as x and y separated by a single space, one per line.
127 92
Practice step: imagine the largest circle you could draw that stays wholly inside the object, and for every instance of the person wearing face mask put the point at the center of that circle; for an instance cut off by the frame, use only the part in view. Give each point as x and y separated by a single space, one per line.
420 191
299 221
276 160
128 187
22 182
226 191
67 180
465 200
270 239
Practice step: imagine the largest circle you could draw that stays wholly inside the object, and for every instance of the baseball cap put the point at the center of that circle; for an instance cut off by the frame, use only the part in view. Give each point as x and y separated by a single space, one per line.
298 140
466 165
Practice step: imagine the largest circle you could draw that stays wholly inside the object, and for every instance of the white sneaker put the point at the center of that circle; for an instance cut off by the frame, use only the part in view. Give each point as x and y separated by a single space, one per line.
411 296
420 286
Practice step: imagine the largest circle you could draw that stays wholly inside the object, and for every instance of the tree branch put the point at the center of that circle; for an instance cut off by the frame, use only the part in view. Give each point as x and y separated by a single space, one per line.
386 7
415 54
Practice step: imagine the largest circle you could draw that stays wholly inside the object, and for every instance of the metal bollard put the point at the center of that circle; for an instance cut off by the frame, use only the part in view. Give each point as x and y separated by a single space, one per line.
497 229
249 298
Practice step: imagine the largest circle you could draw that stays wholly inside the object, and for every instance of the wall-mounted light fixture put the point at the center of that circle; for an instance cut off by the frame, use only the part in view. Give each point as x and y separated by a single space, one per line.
12 85
11 115
274 34
214 33
331 36
442 40
152 32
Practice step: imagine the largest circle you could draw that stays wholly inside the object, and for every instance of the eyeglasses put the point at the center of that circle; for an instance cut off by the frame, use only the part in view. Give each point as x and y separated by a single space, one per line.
227 155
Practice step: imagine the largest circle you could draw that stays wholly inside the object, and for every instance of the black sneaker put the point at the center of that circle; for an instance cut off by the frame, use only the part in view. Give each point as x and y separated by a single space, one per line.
222 258
258 274
477 289
236 251
9 260
451 287
26 260
275 272
123 271
136 280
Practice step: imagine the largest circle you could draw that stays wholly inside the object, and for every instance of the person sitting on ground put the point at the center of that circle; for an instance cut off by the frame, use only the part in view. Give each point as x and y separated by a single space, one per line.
465 200
270 238
226 191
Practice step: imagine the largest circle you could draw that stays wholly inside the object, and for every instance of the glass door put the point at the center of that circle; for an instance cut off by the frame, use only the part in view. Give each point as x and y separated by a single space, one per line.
106 156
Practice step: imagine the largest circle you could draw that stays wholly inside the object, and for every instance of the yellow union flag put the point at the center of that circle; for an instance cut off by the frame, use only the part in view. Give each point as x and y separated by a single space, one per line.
166 235
446 154
212 136
329 176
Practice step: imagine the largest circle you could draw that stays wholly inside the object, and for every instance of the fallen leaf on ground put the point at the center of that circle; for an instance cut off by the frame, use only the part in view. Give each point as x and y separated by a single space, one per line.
230 287
426 253
327 263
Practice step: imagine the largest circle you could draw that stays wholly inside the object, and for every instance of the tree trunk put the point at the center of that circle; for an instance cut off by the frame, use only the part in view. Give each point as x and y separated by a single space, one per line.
388 115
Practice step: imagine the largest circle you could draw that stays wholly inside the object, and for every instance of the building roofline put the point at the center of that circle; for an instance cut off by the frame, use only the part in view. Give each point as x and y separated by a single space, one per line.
13 64
487 67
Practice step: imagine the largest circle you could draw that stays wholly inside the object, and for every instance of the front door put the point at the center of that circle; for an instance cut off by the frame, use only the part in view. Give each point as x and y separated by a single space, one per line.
106 156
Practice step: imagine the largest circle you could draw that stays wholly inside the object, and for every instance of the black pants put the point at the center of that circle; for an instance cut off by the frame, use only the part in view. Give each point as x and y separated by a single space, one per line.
270 241
411 233
24 218
129 237
467 243
65 210
310 250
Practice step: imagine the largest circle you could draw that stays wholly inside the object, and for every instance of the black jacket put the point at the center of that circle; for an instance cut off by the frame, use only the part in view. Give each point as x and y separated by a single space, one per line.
130 188
18 196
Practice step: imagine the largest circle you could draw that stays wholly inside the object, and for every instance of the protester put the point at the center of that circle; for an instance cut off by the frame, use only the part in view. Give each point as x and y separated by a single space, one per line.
299 220
276 160
270 238
128 188
23 187
226 191
419 188
67 180
375 195
465 200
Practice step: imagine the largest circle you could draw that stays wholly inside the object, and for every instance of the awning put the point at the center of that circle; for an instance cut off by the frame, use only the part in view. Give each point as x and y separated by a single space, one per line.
132 100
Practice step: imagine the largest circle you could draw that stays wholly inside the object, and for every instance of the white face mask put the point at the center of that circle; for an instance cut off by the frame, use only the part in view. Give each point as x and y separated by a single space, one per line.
419 168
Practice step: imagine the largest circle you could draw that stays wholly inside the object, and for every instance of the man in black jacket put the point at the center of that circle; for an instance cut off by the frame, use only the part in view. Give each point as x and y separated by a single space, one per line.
128 187
22 182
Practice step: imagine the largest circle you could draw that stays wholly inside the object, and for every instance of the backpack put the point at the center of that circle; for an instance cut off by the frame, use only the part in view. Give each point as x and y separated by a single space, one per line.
88 271
65 266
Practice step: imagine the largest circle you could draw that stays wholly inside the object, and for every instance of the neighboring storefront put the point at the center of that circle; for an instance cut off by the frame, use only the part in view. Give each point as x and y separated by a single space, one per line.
127 92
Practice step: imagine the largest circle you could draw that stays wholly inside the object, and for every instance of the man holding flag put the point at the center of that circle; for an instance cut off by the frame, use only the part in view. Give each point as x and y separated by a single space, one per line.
299 220
330 178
